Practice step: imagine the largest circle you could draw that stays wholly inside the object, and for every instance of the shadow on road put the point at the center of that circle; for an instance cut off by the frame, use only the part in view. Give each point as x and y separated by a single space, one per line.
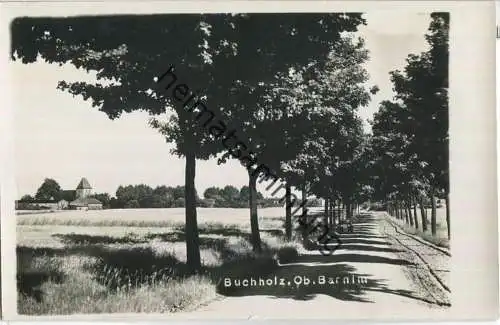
351 258
364 247
340 281
362 241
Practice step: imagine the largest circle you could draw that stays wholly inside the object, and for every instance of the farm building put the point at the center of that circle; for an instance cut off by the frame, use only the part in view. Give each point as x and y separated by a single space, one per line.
83 200
52 204
88 203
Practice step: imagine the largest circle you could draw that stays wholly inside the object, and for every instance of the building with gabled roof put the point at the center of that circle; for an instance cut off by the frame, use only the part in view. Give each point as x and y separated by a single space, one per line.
83 189
88 203
83 200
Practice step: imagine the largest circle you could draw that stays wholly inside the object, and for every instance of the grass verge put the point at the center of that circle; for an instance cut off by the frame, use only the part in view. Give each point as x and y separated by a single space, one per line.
105 277
440 239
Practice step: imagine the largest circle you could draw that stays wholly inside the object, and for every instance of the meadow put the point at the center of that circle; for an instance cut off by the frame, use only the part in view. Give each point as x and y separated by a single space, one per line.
107 261
141 217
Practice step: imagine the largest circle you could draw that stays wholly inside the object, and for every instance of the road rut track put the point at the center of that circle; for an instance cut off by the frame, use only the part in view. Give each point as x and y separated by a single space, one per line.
440 299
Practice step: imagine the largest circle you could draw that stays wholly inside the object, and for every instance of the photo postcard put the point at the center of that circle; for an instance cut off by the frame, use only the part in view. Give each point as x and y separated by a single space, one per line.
183 160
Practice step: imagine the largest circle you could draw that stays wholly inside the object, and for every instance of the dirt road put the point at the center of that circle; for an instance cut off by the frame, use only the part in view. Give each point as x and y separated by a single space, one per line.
371 274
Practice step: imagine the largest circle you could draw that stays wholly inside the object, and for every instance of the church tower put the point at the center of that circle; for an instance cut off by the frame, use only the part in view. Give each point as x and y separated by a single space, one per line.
83 189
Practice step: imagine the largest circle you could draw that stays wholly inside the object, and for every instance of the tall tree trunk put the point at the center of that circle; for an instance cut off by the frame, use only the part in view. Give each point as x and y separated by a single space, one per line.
326 214
332 208
414 202
447 202
304 200
254 219
433 213
288 212
339 209
405 211
408 207
192 237
330 213
423 214
347 205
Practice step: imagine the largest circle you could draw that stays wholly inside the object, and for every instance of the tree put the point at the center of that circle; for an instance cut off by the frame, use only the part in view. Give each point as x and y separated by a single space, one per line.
125 194
320 119
104 198
163 197
49 190
230 193
68 195
423 88
438 39
244 193
27 199
132 204
212 192
179 192
179 203
126 61
147 197
412 130
267 124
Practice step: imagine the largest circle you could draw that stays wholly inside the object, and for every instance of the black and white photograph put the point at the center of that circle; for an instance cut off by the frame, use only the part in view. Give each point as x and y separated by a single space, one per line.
234 164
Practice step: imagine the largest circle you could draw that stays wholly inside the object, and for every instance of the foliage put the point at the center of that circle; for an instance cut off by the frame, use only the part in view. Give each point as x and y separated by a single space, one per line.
410 133
211 192
326 134
230 197
104 198
48 191
68 195
144 196
27 199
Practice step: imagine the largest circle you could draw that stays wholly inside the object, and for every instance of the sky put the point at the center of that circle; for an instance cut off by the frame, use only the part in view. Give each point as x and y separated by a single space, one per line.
63 137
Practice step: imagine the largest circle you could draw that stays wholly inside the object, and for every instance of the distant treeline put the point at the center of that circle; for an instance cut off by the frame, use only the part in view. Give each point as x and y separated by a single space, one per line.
144 196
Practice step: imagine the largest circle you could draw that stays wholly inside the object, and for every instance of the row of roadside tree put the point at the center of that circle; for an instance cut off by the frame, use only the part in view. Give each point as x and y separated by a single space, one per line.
410 136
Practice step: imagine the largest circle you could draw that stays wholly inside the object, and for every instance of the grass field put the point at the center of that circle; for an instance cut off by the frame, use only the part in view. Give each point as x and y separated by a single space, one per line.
142 217
133 260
